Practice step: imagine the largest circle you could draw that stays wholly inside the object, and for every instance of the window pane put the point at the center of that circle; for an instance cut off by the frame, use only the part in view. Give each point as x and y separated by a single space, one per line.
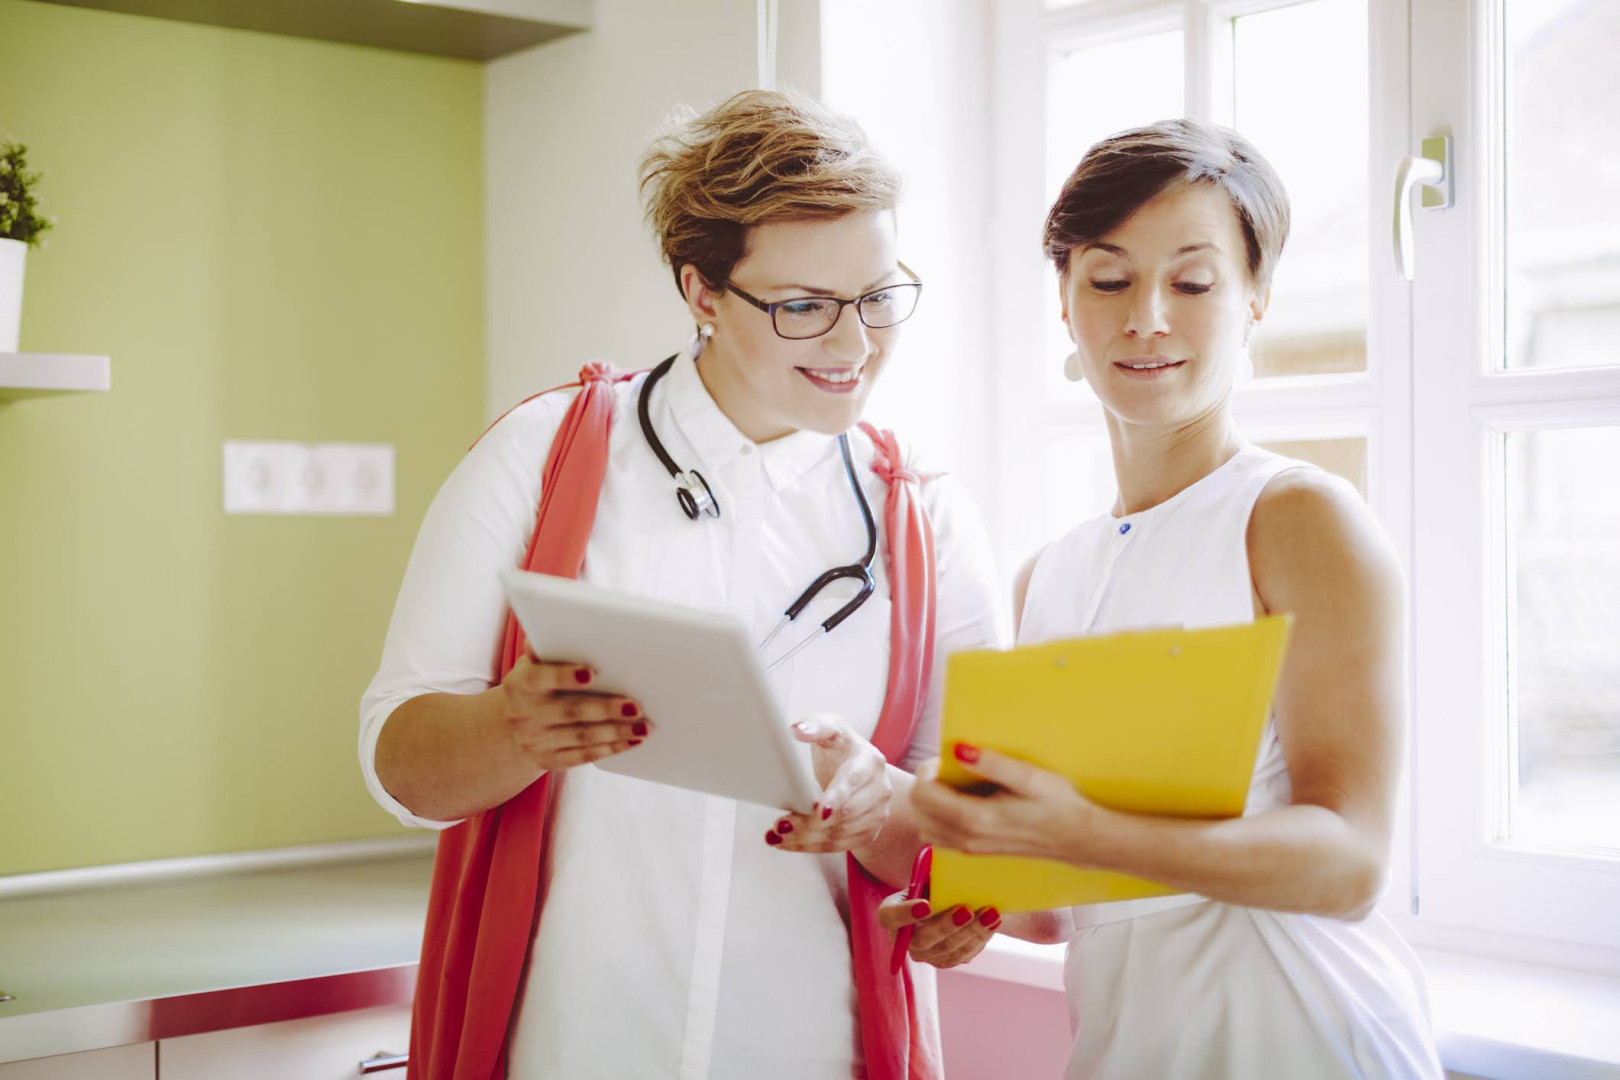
1305 109
1563 567
1346 457
1100 89
1093 92
1562 182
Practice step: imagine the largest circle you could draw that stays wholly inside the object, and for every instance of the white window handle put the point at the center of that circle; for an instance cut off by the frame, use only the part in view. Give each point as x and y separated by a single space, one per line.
1432 171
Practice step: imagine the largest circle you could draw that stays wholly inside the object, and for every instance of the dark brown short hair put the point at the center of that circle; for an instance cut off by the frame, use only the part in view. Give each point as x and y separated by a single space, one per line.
762 156
1120 174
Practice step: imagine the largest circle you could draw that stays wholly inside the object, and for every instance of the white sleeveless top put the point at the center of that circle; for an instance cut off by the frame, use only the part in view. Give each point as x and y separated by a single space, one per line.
1182 986
1183 563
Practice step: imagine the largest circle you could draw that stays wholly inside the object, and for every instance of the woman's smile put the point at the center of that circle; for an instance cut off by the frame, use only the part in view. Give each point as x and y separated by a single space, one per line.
1148 367
834 380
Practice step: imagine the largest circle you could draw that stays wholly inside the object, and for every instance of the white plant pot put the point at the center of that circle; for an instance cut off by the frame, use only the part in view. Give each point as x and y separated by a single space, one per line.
13 256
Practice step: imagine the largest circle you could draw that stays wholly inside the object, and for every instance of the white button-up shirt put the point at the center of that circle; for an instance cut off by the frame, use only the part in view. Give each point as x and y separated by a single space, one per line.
675 942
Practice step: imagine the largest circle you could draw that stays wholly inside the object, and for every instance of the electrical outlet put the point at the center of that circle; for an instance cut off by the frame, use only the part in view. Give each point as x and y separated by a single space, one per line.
256 477
346 479
352 478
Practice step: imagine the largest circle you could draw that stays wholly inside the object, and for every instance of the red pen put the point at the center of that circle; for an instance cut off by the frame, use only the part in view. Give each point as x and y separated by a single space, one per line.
917 890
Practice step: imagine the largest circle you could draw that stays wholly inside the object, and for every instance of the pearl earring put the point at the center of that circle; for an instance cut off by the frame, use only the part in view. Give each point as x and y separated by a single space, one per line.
706 330
1071 367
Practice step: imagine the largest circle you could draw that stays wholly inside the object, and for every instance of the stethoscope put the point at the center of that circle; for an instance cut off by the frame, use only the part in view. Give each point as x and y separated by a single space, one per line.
697 501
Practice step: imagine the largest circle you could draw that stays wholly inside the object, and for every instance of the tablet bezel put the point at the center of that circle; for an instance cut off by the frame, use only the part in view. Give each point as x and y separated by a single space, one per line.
719 729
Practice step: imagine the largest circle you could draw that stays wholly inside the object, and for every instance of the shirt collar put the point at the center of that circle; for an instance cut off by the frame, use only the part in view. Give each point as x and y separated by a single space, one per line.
716 439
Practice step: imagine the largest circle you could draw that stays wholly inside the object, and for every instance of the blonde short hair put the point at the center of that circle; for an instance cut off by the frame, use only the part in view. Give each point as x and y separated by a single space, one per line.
761 156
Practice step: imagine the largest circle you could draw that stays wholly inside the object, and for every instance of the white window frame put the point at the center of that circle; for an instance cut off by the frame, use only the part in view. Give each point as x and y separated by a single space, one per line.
1473 885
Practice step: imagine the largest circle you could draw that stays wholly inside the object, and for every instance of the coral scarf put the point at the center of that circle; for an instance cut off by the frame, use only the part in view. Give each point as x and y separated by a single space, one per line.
485 898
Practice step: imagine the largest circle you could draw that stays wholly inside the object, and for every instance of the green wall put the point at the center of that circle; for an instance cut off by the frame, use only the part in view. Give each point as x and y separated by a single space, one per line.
273 239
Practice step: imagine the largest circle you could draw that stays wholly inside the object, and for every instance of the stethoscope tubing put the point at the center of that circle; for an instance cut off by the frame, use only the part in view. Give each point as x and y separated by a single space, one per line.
697 501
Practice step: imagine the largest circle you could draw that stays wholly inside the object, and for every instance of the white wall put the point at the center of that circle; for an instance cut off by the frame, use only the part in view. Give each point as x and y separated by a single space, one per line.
573 274
916 74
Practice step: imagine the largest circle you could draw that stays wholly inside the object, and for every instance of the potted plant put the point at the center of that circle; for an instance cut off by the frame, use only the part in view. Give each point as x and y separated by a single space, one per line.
21 225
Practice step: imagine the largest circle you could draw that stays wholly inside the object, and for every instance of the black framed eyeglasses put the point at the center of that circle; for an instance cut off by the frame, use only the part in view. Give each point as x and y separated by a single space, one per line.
812 316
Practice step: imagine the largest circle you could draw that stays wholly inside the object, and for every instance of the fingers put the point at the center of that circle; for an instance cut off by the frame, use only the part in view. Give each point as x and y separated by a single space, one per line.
537 676
581 735
826 730
941 938
954 936
579 729
584 755
560 719
962 949
533 716
1003 771
842 829
851 787
898 910
852 811
563 746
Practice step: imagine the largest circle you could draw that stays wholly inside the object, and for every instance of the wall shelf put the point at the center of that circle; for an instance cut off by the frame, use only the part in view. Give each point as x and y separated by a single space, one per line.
464 29
29 375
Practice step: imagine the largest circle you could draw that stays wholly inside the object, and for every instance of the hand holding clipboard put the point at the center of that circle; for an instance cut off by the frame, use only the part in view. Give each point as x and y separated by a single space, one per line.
1164 722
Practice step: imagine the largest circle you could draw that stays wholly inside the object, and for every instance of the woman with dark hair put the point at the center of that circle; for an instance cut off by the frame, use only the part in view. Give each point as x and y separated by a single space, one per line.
1273 961
586 924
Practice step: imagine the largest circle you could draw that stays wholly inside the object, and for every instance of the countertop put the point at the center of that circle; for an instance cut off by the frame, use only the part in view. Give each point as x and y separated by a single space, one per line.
107 966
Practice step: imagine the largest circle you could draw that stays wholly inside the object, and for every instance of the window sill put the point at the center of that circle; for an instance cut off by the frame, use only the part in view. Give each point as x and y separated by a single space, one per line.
1496 1019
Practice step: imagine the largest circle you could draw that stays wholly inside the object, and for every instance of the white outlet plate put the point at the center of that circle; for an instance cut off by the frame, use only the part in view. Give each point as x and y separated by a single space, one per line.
345 479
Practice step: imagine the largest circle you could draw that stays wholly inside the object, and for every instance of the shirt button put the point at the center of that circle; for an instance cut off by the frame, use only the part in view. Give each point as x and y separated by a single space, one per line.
748 448
1125 528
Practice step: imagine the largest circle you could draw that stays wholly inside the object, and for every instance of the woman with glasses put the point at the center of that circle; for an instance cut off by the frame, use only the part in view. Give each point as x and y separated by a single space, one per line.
673 934
1273 962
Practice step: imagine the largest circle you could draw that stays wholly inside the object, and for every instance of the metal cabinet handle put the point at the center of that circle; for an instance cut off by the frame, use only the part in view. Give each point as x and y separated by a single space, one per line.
383 1061
1432 171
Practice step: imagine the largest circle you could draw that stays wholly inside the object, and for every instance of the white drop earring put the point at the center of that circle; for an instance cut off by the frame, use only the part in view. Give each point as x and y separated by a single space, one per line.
1071 367
705 331
1245 371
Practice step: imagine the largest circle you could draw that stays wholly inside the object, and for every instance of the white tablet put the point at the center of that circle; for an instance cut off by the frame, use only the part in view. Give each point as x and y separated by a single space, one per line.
696 675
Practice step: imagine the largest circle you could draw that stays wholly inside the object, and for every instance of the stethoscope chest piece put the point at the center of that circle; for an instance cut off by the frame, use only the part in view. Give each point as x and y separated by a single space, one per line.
694 495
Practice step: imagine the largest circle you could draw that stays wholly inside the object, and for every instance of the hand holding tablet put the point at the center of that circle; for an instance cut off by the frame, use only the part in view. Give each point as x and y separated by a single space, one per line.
695 675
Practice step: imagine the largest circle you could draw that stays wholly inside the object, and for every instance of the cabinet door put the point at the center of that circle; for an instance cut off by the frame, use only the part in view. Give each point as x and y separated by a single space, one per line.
137 1062
319 1048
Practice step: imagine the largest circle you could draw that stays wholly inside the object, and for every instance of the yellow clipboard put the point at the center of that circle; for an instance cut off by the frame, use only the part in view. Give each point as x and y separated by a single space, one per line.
1151 722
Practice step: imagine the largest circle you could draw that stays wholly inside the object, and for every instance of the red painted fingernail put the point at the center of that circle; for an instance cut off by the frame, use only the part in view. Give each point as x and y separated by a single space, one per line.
635 742
989 917
784 827
921 910
639 727
967 752
961 916
772 839
826 812
582 675
628 709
